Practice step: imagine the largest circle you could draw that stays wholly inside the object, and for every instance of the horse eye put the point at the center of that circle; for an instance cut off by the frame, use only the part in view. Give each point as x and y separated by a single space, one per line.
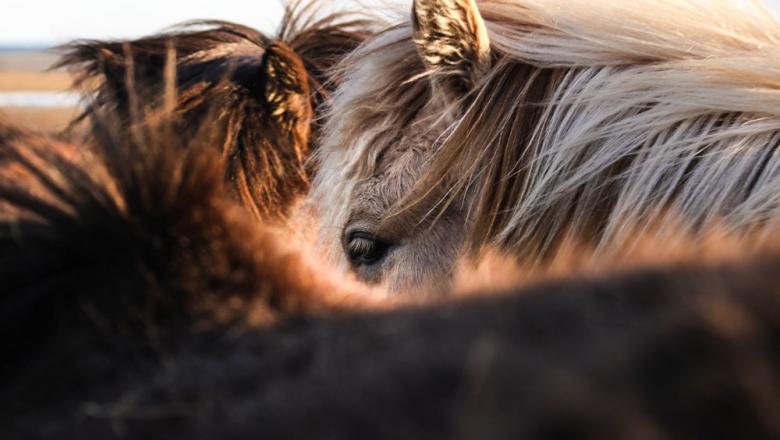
365 249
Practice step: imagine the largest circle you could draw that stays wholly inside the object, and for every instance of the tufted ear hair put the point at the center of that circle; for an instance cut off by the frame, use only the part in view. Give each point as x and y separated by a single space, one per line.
286 89
452 40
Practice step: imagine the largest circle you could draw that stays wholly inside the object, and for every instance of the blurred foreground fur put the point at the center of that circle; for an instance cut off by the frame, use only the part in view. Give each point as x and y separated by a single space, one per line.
255 96
110 256
132 290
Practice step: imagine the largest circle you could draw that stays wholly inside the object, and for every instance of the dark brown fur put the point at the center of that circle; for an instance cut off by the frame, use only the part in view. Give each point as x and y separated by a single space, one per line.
686 352
119 255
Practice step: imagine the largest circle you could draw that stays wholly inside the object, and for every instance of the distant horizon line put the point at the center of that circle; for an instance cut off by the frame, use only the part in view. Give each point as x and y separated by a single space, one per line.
29 47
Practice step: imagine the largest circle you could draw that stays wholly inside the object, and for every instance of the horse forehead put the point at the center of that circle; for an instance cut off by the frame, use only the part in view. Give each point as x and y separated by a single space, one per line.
400 164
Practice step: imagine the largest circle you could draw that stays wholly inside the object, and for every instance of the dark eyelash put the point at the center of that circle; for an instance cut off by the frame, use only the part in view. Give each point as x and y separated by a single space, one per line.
365 249
359 244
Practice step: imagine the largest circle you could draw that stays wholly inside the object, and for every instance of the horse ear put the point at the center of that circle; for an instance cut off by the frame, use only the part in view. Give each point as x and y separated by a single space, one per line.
452 40
286 90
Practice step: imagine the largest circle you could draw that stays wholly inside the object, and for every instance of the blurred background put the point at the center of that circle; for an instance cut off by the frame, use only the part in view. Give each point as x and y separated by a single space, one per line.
34 98
30 96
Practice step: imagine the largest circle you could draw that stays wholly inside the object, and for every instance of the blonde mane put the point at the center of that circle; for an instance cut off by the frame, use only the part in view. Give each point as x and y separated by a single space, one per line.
596 119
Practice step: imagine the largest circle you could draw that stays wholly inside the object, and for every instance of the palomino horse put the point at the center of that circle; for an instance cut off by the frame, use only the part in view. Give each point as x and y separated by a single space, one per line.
525 125
256 96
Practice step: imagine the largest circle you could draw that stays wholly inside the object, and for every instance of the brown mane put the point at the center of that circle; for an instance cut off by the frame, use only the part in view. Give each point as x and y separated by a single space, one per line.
222 70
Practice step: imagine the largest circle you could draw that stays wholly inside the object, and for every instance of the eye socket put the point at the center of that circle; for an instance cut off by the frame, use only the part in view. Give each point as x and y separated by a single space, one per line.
365 249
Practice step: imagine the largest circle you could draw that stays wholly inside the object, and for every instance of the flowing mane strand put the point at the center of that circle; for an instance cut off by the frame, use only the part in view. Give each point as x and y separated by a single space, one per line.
595 119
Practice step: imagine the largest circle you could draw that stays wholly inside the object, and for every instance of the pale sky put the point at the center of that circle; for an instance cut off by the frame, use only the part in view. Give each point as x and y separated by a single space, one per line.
57 21
43 22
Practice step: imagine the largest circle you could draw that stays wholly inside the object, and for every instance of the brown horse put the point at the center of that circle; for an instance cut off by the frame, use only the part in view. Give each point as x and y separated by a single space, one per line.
255 95
526 125
129 237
